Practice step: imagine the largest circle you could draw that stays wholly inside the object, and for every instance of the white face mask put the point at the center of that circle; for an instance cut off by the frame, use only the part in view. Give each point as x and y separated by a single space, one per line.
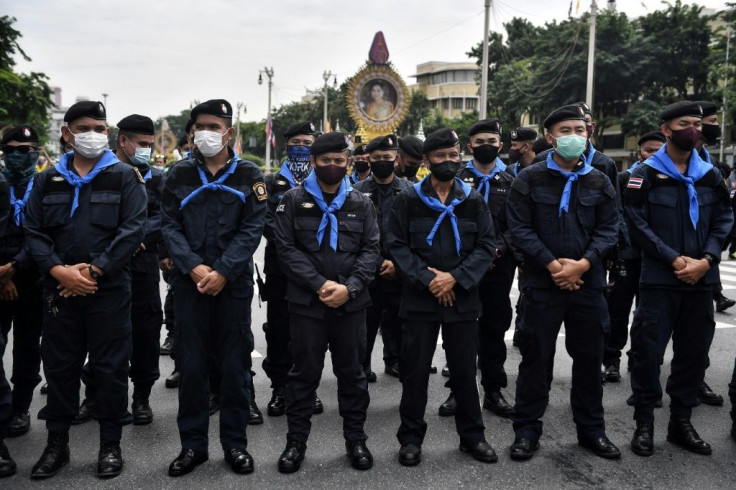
90 144
209 143
140 157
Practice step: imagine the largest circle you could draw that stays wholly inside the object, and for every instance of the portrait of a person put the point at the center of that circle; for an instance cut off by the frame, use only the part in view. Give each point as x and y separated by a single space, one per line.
379 106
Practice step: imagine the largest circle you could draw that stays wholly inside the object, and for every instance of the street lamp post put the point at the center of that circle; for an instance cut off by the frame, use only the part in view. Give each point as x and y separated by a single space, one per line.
104 100
269 128
484 68
326 76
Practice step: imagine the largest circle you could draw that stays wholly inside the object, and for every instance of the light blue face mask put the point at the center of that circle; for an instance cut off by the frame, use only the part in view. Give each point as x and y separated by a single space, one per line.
571 146
141 156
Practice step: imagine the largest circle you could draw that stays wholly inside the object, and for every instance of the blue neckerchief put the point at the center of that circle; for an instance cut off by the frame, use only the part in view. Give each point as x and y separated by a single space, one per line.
216 185
444 210
591 151
148 176
571 177
705 156
516 168
108 158
20 204
696 169
328 212
354 177
286 173
485 180
633 167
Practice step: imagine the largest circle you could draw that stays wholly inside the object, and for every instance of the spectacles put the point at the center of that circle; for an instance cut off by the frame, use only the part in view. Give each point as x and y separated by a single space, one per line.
7 149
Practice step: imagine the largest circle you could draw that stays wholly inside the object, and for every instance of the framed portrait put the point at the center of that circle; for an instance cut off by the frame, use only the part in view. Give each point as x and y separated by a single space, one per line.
378 99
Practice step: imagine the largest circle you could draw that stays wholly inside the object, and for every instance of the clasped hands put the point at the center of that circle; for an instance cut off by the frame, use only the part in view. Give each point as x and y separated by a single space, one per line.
566 273
690 270
441 287
74 280
208 280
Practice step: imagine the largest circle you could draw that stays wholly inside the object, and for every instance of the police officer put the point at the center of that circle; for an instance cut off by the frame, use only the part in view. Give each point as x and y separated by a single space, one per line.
409 159
327 239
709 136
441 240
84 221
486 174
382 186
563 217
134 144
20 292
521 153
361 165
299 137
623 278
678 212
213 210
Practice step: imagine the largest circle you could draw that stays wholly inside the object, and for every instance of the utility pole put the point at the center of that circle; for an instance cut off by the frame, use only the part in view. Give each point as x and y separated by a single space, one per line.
591 56
725 89
269 127
484 65
326 76
104 100
237 127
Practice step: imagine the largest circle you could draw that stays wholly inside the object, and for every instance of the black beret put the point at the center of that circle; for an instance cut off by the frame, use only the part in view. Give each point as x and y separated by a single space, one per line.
383 143
709 108
86 108
651 136
299 128
485 126
523 134
21 134
360 150
540 145
214 107
329 143
442 138
411 145
586 108
189 125
565 113
135 123
681 109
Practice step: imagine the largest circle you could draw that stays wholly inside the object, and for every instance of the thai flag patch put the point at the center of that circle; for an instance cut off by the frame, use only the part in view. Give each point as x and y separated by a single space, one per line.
635 183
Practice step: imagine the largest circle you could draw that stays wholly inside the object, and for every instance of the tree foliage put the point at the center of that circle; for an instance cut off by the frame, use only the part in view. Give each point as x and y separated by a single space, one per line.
25 98
660 57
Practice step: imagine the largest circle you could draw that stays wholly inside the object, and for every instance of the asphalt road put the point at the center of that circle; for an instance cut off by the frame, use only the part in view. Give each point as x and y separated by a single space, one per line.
560 463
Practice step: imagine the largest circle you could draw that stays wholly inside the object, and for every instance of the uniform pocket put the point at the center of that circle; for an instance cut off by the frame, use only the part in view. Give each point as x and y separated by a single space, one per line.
418 232
468 232
56 209
305 231
349 234
104 209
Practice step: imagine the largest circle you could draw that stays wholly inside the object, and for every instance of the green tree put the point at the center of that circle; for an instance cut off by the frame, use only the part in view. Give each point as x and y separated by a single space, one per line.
24 98
418 110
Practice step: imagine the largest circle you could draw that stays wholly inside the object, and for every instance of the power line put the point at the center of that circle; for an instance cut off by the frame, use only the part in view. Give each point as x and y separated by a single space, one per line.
440 32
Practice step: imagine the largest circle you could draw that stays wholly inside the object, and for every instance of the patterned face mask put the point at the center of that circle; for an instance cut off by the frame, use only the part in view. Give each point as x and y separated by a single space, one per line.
298 162
19 167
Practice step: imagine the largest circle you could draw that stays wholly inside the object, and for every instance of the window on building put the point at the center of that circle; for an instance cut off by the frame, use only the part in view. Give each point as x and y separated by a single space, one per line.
438 78
434 104
457 103
471 103
445 103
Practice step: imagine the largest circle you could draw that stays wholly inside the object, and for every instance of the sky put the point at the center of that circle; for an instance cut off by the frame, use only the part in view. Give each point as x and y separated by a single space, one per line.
154 57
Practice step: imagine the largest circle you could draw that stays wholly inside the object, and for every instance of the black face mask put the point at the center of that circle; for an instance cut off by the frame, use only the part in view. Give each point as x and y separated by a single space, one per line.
361 166
444 171
485 154
711 133
383 168
410 171
330 174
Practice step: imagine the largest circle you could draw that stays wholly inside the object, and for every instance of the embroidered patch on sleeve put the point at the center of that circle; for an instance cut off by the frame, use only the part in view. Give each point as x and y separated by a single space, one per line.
635 183
259 189
138 174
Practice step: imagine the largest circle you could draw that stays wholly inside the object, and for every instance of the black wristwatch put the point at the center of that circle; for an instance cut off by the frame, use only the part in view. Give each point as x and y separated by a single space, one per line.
711 260
94 275
352 291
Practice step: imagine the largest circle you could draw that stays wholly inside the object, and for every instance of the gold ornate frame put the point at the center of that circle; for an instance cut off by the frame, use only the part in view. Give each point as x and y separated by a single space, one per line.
387 74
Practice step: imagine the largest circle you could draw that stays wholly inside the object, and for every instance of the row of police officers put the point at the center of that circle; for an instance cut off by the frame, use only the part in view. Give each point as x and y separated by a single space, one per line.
346 256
